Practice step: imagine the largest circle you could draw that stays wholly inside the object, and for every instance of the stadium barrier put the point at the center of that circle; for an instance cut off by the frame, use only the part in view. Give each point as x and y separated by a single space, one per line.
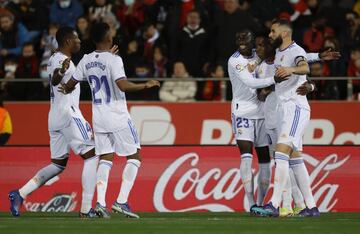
197 123
181 178
223 85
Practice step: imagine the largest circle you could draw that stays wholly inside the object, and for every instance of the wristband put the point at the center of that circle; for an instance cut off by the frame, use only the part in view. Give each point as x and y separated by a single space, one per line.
312 87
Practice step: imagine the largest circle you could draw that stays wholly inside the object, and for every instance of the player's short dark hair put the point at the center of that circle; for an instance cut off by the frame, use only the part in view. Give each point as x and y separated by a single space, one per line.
283 22
99 31
63 34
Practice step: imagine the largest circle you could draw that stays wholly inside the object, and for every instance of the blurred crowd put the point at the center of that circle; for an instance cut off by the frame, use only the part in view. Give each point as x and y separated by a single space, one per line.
174 39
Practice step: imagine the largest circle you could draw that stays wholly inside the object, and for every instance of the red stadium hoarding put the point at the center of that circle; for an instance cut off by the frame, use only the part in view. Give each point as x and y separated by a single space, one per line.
204 123
181 178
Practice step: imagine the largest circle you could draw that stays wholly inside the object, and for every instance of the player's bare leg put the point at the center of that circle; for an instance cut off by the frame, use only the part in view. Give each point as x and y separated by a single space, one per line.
88 180
246 151
16 197
105 165
264 176
130 171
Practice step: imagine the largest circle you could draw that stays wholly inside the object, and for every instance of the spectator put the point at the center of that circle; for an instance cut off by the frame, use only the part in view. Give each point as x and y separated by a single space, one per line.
267 10
193 45
354 71
5 124
28 67
314 37
65 12
152 38
87 46
99 9
34 14
175 91
131 57
160 62
326 89
211 90
228 22
10 67
351 36
131 16
13 36
49 43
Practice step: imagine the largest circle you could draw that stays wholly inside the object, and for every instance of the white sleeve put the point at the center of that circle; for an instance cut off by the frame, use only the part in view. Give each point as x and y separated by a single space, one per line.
241 72
312 57
79 74
117 68
299 55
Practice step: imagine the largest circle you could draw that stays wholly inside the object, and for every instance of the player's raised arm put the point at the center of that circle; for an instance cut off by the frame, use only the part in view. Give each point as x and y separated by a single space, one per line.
60 72
128 86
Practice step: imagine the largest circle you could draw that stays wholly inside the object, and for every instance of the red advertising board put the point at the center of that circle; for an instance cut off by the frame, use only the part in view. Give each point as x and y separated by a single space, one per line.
204 123
181 178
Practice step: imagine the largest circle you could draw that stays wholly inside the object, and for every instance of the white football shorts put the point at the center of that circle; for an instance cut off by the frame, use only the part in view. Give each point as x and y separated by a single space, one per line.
250 130
77 136
292 122
124 142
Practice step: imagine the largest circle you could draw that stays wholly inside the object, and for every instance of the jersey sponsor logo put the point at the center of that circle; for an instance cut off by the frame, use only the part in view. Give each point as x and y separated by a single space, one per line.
239 67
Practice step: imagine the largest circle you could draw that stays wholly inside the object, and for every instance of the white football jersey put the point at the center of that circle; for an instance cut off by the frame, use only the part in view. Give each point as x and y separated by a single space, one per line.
61 105
102 69
286 90
264 70
244 84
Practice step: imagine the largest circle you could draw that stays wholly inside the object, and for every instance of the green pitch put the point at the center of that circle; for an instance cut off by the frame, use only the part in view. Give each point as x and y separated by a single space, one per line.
173 223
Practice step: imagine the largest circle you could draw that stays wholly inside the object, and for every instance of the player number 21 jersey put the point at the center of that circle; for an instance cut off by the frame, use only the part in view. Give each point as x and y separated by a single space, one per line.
102 69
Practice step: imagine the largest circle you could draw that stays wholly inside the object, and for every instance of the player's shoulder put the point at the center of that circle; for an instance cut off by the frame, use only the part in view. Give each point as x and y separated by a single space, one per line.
236 59
295 48
56 59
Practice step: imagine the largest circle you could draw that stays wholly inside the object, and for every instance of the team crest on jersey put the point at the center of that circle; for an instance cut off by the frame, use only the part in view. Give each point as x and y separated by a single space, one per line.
239 67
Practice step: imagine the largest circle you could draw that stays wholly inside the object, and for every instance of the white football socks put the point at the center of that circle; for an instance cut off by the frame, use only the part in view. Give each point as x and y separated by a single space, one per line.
41 177
280 178
247 177
286 195
295 191
303 181
264 179
128 178
102 180
88 180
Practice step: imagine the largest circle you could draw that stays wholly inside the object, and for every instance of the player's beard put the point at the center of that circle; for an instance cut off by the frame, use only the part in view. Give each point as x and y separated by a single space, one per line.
277 42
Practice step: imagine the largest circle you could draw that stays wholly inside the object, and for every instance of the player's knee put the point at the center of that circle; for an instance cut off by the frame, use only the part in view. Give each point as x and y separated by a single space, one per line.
108 157
284 148
135 156
89 154
61 163
263 154
245 147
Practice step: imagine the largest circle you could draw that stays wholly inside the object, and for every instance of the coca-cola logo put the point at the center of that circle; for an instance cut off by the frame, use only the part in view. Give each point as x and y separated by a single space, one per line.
58 203
225 185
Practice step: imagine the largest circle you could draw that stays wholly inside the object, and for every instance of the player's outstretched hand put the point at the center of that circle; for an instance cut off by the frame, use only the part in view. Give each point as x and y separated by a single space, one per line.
304 89
65 65
152 83
329 55
114 49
